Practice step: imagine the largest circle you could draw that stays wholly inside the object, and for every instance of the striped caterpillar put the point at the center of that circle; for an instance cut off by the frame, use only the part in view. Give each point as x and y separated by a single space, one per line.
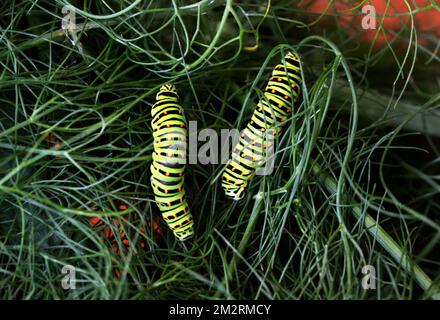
167 171
274 107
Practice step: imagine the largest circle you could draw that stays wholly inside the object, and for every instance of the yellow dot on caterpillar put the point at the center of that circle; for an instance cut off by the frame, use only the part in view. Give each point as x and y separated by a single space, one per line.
168 125
167 174
181 199
169 204
273 90
180 189
262 129
242 155
286 97
279 79
271 78
260 109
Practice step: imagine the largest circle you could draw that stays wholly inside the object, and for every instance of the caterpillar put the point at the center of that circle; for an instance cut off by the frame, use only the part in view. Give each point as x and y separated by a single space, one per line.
274 107
167 169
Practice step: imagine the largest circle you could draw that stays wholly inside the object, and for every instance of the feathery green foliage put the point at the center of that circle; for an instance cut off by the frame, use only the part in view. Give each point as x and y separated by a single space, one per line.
355 183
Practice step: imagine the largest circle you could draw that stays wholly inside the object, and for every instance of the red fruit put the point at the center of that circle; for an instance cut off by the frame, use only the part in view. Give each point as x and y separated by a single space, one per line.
95 221
427 22
123 227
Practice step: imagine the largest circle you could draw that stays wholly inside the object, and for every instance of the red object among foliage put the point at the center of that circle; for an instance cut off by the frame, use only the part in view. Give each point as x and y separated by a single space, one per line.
427 21
123 228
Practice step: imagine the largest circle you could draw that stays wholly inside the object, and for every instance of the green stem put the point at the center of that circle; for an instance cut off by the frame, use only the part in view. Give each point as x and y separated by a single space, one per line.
383 238
243 243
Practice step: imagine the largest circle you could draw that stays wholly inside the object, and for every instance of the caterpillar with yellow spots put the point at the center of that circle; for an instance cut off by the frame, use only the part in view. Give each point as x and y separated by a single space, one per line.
273 108
168 166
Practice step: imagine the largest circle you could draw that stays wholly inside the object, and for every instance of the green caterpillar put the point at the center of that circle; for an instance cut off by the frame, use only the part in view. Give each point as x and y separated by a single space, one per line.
167 168
275 106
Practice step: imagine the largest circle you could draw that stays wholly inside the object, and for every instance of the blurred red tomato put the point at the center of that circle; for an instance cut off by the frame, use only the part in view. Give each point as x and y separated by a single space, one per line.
426 19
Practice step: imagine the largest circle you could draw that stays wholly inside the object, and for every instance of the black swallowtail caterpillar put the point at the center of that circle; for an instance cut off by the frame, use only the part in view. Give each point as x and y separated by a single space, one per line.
274 107
167 169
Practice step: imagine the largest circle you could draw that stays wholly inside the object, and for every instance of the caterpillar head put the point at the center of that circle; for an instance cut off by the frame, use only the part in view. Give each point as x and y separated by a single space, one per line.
167 91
